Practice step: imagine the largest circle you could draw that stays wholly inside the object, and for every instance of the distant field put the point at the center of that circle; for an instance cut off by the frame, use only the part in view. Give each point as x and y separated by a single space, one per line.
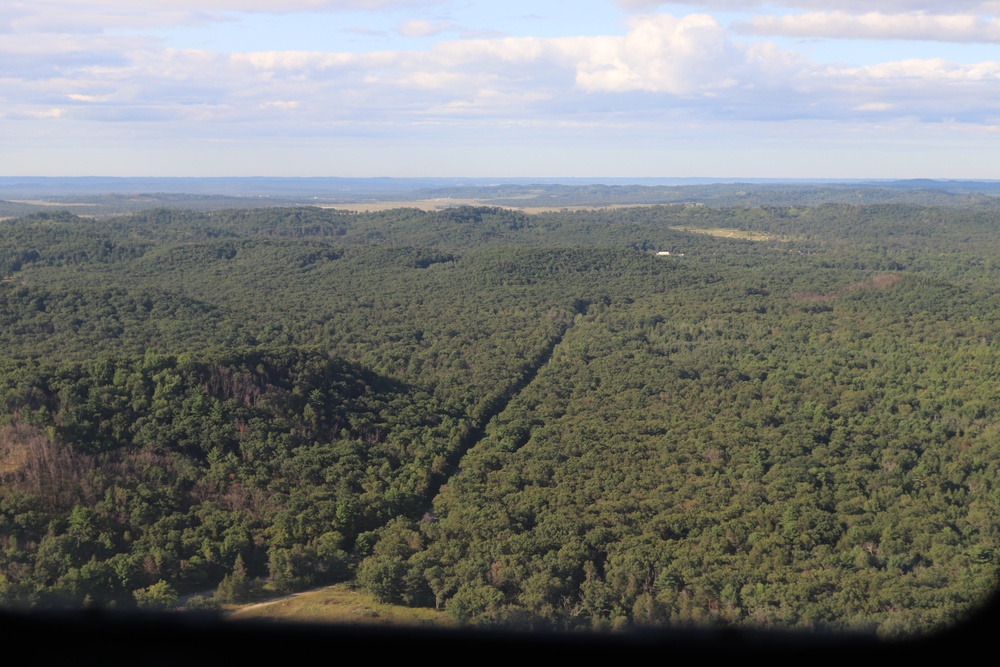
340 604
733 234
557 209
422 204
447 202
42 202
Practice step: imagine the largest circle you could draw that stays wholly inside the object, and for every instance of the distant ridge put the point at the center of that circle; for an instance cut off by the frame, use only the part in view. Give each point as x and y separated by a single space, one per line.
331 186
339 186
934 184
104 196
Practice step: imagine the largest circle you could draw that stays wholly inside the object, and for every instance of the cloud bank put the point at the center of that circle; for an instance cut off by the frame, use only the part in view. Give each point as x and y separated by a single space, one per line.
688 64
965 28
849 6
682 74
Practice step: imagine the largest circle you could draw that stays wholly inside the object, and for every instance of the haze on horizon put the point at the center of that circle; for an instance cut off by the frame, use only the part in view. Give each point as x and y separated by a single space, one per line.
412 88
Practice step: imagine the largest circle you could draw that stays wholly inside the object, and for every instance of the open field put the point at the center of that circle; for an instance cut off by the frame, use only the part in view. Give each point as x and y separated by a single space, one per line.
42 202
558 209
447 202
422 204
733 234
340 604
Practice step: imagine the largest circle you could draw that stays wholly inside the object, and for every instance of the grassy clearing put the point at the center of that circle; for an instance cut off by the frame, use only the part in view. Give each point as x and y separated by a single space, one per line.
342 605
734 234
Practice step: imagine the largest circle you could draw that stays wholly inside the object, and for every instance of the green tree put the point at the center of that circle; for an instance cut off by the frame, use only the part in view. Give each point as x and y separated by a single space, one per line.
161 596
235 586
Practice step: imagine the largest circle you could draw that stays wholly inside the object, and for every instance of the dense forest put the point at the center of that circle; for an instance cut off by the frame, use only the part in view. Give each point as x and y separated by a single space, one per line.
533 421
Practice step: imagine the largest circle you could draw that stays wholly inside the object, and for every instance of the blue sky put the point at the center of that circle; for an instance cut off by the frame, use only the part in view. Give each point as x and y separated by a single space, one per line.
549 88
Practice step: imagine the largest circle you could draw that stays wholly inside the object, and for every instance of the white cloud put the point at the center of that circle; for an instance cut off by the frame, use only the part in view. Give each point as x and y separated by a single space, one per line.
48 113
78 97
269 6
71 17
300 63
421 28
875 25
852 6
662 54
873 106
665 70
928 70
284 105
96 16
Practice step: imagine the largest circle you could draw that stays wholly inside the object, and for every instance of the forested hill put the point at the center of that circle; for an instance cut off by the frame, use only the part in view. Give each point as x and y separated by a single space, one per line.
525 420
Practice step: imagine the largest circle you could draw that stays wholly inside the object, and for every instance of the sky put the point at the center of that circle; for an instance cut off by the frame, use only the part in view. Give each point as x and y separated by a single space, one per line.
512 88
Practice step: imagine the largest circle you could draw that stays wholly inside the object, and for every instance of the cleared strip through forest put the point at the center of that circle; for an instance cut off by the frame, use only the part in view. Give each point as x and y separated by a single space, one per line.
476 430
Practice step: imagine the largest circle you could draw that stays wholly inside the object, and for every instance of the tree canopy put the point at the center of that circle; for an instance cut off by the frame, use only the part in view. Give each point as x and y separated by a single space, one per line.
526 420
